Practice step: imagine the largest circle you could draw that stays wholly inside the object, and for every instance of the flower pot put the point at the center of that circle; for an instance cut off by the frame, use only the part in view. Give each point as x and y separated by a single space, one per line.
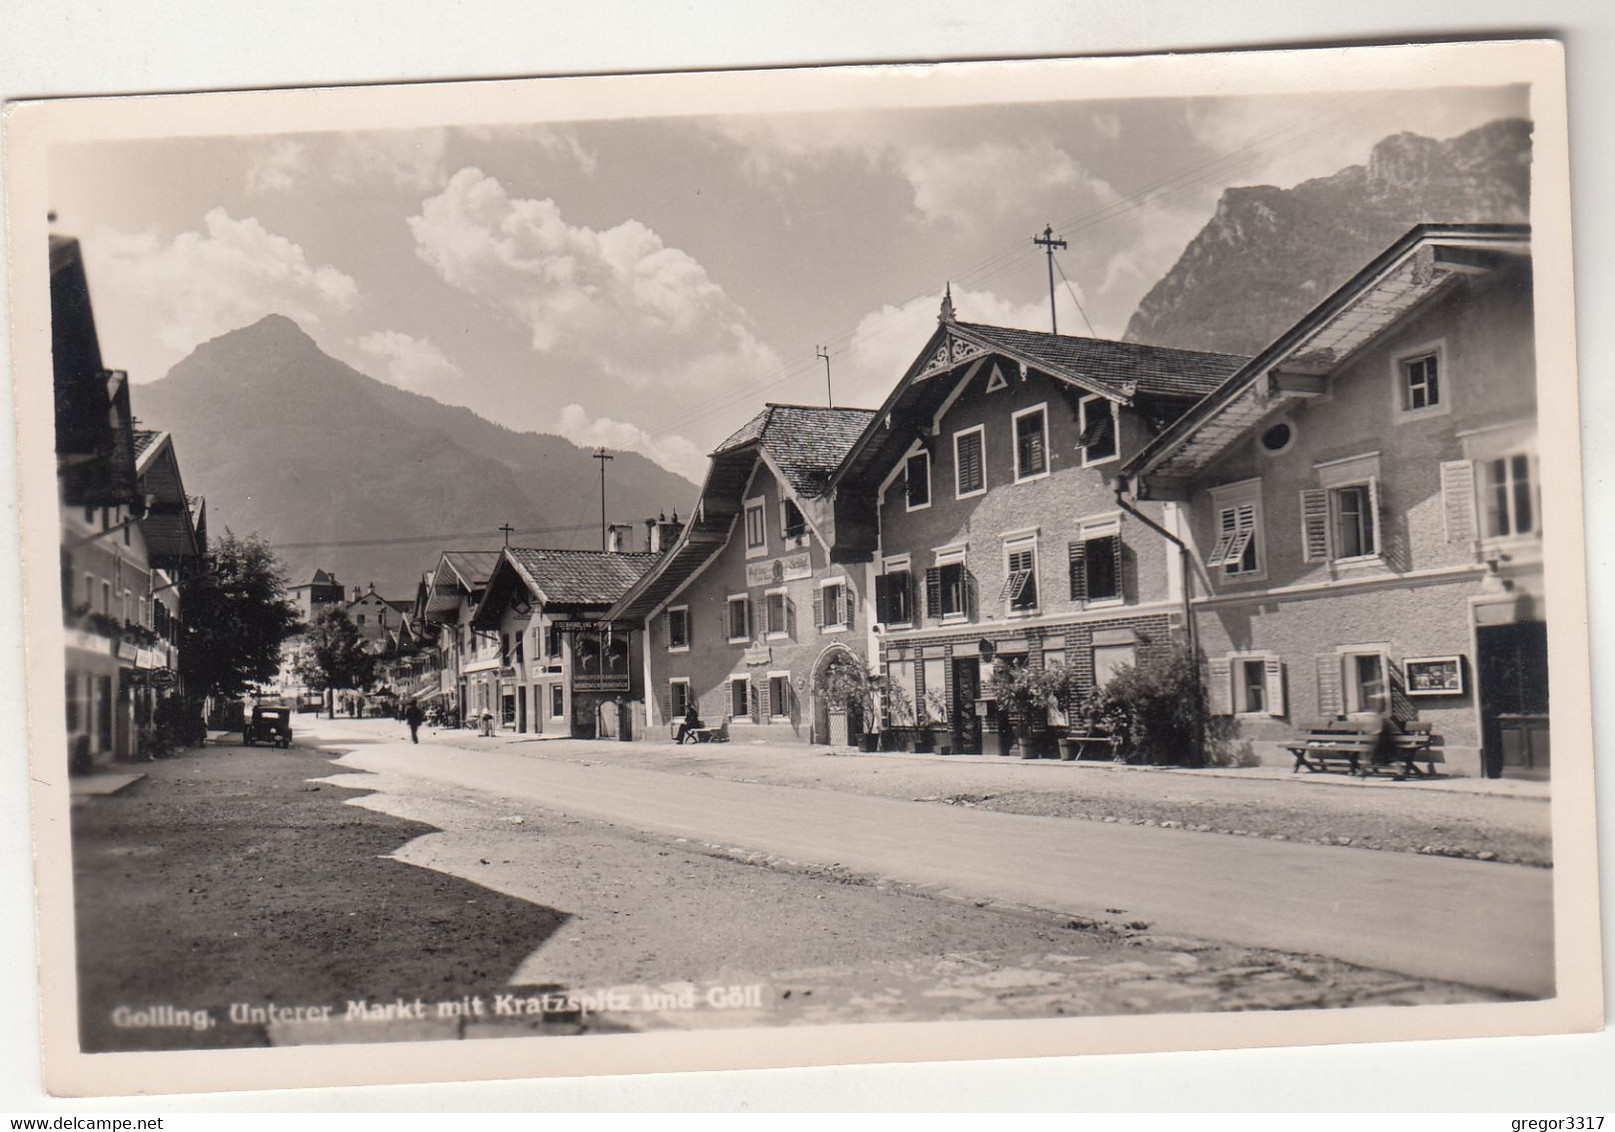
868 742
924 740
941 738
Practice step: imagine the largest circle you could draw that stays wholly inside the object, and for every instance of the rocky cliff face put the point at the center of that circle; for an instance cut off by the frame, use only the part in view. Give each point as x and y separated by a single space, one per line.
1268 255
287 441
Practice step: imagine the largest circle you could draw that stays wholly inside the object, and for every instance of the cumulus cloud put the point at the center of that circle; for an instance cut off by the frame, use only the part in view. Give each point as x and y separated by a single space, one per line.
957 186
618 299
276 166
200 284
675 453
412 363
407 159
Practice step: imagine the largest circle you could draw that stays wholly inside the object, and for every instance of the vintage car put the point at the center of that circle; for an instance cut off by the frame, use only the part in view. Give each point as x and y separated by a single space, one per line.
269 723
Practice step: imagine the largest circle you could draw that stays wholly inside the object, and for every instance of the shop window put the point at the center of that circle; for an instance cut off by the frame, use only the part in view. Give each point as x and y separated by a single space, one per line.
557 701
1110 659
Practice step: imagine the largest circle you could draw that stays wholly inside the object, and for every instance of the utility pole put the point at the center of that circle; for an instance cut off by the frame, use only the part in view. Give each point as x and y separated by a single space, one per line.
1048 243
602 456
509 530
829 398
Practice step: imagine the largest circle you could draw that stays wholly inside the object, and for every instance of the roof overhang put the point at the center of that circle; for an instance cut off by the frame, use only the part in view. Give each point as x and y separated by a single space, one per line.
1426 262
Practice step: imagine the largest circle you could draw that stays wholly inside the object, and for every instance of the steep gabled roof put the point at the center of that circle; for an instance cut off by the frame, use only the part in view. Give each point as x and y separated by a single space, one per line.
581 577
1147 370
460 574
166 519
1429 259
805 442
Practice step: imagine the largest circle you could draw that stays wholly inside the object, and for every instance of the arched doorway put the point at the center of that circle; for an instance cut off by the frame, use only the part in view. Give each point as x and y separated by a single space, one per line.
832 656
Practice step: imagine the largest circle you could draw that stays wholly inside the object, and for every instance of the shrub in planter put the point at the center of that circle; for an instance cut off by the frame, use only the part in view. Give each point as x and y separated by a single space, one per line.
1027 694
1156 705
938 721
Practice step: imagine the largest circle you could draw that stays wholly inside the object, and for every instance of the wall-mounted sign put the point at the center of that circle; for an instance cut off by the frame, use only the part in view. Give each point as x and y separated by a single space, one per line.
759 654
128 650
579 625
790 568
1434 675
600 682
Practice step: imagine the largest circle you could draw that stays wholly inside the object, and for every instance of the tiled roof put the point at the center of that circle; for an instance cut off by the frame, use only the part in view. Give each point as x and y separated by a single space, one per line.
807 442
582 577
472 565
144 439
1153 370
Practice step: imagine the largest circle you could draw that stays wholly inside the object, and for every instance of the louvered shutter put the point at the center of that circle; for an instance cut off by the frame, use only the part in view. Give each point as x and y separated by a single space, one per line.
756 702
1219 700
763 690
1373 514
1078 569
818 607
1315 524
1273 671
790 617
847 606
933 591
883 601
1458 499
910 609
667 704
1331 696
1116 556
971 593
666 620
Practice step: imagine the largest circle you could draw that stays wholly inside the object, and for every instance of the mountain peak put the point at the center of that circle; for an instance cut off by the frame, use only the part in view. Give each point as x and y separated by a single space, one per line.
1268 255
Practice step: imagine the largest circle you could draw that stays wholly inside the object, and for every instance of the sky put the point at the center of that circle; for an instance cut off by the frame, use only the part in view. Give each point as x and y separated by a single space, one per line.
647 284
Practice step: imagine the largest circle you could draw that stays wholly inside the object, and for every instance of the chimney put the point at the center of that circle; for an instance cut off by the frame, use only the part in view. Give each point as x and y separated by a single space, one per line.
620 538
665 533
357 593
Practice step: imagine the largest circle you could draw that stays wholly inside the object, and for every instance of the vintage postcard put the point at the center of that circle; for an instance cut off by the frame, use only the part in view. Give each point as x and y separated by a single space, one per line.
794 567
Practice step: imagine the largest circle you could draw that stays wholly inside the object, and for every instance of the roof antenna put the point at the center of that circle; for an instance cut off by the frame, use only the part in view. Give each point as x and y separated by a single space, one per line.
829 398
1048 243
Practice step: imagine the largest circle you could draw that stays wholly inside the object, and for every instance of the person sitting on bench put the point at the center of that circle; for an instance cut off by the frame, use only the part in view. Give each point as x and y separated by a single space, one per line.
690 722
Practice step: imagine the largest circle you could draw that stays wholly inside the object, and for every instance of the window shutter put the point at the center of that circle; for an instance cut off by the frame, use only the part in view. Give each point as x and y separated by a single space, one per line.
1079 571
667 629
1116 553
883 611
1373 513
971 595
911 612
847 606
763 690
1273 670
1458 499
755 702
933 591
749 629
667 705
818 607
1331 696
1315 524
1219 699
790 617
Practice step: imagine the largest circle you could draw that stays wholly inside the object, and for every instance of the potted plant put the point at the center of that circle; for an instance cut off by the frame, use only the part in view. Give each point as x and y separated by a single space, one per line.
937 724
1026 694
902 730
1098 724
846 687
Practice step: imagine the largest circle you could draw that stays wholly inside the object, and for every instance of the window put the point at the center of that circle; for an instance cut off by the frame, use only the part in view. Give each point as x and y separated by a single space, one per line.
832 605
1340 521
1246 684
776 614
360 622
894 598
678 629
792 526
678 698
557 701
106 598
1110 659
1420 383
756 528
1237 545
969 472
1096 416
1277 438
739 689
1031 444
1020 576
947 589
1510 496
737 618
1095 561
781 697
1366 687
552 642
917 478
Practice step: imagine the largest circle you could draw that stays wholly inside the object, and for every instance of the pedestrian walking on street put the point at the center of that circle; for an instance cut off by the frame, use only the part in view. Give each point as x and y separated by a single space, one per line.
413 717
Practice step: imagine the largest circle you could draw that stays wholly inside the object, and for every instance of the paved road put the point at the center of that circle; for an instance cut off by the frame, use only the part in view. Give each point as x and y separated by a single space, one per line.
1483 924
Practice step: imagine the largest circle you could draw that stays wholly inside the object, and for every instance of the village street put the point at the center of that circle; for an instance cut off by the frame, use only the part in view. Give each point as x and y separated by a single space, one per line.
359 888
1480 923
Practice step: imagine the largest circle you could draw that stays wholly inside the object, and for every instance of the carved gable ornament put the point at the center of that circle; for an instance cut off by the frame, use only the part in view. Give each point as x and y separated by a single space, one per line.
950 353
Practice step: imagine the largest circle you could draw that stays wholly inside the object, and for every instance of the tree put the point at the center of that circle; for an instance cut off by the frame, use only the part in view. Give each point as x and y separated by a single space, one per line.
333 655
235 617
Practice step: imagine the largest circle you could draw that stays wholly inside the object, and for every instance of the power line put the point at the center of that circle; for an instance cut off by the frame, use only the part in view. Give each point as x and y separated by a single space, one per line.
1092 333
413 540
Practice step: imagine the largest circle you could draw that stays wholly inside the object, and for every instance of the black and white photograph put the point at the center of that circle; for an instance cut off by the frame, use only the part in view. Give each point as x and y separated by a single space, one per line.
775 568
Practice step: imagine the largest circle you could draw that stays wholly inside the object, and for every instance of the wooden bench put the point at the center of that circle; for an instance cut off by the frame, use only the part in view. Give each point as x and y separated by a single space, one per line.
718 734
1366 744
